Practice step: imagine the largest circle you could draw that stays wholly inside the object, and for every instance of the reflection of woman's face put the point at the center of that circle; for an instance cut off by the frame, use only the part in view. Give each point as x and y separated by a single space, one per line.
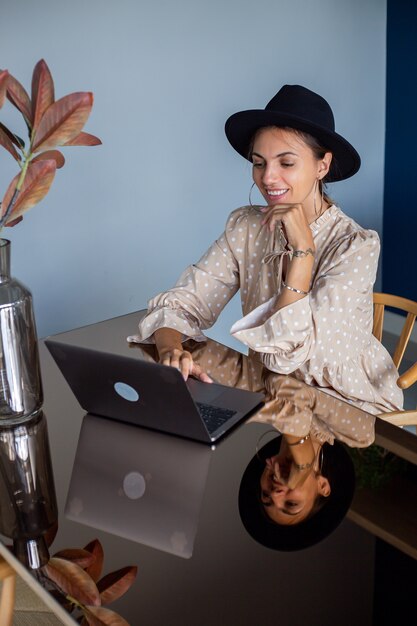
282 504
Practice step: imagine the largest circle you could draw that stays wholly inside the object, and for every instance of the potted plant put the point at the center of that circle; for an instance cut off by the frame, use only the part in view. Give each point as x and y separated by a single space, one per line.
50 123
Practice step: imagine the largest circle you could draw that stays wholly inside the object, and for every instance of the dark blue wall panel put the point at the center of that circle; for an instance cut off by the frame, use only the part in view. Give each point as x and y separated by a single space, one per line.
399 268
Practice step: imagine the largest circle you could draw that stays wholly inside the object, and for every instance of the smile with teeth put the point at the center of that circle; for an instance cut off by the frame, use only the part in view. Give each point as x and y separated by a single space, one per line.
276 192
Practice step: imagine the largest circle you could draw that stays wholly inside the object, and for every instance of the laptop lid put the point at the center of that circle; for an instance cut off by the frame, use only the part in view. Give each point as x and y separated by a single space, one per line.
128 481
146 393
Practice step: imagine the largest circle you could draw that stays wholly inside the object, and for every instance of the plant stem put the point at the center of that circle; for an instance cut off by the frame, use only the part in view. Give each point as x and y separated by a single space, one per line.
16 191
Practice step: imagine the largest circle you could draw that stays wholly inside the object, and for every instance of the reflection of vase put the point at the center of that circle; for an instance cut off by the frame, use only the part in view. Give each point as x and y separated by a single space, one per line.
20 379
27 494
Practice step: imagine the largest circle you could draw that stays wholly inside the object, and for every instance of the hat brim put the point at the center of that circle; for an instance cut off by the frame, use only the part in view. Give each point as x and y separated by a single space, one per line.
310 531
242 126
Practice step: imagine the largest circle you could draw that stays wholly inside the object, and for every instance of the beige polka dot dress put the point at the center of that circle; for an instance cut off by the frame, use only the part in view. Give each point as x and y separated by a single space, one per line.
324 339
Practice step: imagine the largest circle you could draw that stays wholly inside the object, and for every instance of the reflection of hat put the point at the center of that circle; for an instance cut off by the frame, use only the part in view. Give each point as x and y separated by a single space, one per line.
311 530
299 108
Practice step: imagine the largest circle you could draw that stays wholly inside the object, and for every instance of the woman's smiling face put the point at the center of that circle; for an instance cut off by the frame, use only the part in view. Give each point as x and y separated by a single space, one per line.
285 168
284 505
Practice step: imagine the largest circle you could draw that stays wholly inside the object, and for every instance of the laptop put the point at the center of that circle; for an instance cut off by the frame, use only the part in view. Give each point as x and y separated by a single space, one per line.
143 494
144 393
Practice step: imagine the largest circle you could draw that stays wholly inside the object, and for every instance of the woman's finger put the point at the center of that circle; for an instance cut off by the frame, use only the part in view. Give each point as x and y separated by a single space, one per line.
165 359
199 374
271 220
183 361
175 359
186 364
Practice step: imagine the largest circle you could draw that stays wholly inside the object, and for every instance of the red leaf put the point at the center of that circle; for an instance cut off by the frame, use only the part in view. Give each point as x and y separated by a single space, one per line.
13 138
73 580
36 185
115 584
97 616
75 555
84 139
63 120
95 569
6 142
14 222
43 93
56 155
4 76
18 96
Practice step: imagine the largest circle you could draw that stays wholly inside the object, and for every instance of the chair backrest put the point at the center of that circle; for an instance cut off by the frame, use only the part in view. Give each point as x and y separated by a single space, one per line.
381 300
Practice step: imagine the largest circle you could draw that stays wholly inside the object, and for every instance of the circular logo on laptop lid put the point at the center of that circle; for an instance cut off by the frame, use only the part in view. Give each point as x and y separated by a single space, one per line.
126 391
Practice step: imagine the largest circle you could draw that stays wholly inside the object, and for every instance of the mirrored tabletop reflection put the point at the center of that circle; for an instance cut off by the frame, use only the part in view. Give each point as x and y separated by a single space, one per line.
170 506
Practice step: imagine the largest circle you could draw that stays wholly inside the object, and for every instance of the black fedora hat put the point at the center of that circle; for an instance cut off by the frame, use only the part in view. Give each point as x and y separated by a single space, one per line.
310 531
296 107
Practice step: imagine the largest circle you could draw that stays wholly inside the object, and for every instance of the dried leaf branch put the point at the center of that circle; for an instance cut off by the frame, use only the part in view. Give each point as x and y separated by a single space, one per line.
50 124
74 573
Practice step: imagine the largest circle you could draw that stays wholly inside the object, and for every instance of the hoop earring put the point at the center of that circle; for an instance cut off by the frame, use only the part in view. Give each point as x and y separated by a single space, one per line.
321 193
279 436
250 195
321 460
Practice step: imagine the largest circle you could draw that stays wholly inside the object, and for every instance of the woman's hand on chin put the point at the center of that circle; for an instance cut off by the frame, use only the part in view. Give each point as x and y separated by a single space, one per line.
294 221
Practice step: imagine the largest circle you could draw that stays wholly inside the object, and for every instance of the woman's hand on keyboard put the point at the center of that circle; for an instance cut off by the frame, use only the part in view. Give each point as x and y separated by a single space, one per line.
183 361
172 353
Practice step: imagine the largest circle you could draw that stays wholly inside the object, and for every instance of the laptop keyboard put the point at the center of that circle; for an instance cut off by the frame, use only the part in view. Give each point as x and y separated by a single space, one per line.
214 416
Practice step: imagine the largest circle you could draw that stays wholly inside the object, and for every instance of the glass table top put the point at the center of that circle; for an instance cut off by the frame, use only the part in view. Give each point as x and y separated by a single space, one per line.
170 506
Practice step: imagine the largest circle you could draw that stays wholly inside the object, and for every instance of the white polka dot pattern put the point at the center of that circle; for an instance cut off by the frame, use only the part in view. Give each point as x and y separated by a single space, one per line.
324 339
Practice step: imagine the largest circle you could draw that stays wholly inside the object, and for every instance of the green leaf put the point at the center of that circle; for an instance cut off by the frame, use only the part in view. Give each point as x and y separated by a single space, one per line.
43 92
20 99
115 584
73 580
36 185
63 121
97 616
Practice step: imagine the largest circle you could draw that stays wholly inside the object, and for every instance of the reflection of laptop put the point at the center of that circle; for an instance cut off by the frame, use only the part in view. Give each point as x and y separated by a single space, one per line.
148 488
148 394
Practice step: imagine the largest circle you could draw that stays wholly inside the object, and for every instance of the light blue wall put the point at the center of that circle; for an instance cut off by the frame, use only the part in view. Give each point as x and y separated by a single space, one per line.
124 219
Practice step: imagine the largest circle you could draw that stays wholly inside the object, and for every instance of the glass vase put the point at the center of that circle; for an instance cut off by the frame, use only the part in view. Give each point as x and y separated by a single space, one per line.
20 379
27 493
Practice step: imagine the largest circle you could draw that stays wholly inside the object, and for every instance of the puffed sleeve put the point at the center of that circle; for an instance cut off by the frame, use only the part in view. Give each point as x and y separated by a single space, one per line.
297 409
328 325
198 298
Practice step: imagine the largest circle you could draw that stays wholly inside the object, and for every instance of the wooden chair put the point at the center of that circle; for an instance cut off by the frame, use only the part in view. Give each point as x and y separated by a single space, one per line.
7 599
408 378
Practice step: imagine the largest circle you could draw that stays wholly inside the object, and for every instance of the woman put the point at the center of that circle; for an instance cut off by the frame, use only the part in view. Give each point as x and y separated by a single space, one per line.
297 488
305 270
287 508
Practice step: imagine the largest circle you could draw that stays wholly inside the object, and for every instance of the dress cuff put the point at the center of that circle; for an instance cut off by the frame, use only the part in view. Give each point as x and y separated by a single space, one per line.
284 334
176 319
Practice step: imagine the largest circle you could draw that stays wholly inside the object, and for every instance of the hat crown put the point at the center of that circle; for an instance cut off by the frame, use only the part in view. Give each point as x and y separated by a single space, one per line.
299 108
299 102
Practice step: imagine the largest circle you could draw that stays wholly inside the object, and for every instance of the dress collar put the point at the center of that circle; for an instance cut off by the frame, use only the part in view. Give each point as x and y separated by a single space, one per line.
323 219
